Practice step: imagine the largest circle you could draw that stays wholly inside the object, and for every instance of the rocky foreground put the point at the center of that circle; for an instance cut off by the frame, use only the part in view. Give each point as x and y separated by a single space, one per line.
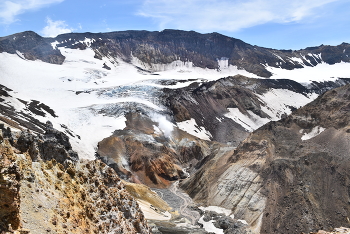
44 188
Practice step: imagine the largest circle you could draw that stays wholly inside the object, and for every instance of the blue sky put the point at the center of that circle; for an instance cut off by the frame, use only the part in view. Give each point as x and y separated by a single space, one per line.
280 24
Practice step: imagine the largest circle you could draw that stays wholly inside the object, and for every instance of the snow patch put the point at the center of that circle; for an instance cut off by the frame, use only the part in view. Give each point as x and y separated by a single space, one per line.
191 127
314 132
321 72
242 221
20 54
250 122
54 45
223 63
277 102
279 57
209 226
92 128
298 60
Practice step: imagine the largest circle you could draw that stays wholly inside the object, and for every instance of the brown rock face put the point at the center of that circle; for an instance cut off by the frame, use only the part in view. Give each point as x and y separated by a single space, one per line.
289 176
41 195
9 187
140 154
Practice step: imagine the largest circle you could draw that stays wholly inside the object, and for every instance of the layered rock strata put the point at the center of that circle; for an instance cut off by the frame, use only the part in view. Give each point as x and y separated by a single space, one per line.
288 176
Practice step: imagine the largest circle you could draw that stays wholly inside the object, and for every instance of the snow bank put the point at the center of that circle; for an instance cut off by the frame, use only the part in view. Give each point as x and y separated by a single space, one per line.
277 102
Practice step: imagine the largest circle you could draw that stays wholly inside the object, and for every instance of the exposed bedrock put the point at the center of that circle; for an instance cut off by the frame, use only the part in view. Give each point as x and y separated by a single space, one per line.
31 46
40 194
142 153
289 176
209 103
155 50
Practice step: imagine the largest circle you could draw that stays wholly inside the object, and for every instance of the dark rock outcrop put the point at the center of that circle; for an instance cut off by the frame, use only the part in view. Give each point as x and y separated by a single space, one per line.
32 46
208 102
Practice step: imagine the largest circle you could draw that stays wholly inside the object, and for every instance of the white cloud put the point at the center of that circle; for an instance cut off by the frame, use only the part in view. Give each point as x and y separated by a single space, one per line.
228 15
10 9
54 28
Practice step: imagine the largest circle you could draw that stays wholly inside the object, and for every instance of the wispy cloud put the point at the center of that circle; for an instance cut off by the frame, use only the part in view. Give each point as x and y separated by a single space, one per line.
9 10
54 28
228 15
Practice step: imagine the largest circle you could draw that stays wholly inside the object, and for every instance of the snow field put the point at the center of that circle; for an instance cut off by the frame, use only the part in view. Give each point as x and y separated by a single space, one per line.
58 85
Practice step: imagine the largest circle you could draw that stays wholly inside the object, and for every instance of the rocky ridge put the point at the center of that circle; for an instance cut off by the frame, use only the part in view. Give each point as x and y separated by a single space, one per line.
208 103
288 176
31 46
153 50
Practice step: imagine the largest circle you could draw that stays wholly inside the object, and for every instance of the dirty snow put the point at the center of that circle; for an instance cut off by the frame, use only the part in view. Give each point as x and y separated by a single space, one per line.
209 226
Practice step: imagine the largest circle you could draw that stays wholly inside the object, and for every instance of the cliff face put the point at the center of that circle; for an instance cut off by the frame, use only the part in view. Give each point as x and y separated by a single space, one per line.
141 153
31 46
153 50
288 176
203 50
45 188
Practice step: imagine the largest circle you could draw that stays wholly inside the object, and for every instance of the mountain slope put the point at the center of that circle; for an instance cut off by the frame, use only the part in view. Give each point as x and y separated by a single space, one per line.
288 176
213 51
158 107
168 49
